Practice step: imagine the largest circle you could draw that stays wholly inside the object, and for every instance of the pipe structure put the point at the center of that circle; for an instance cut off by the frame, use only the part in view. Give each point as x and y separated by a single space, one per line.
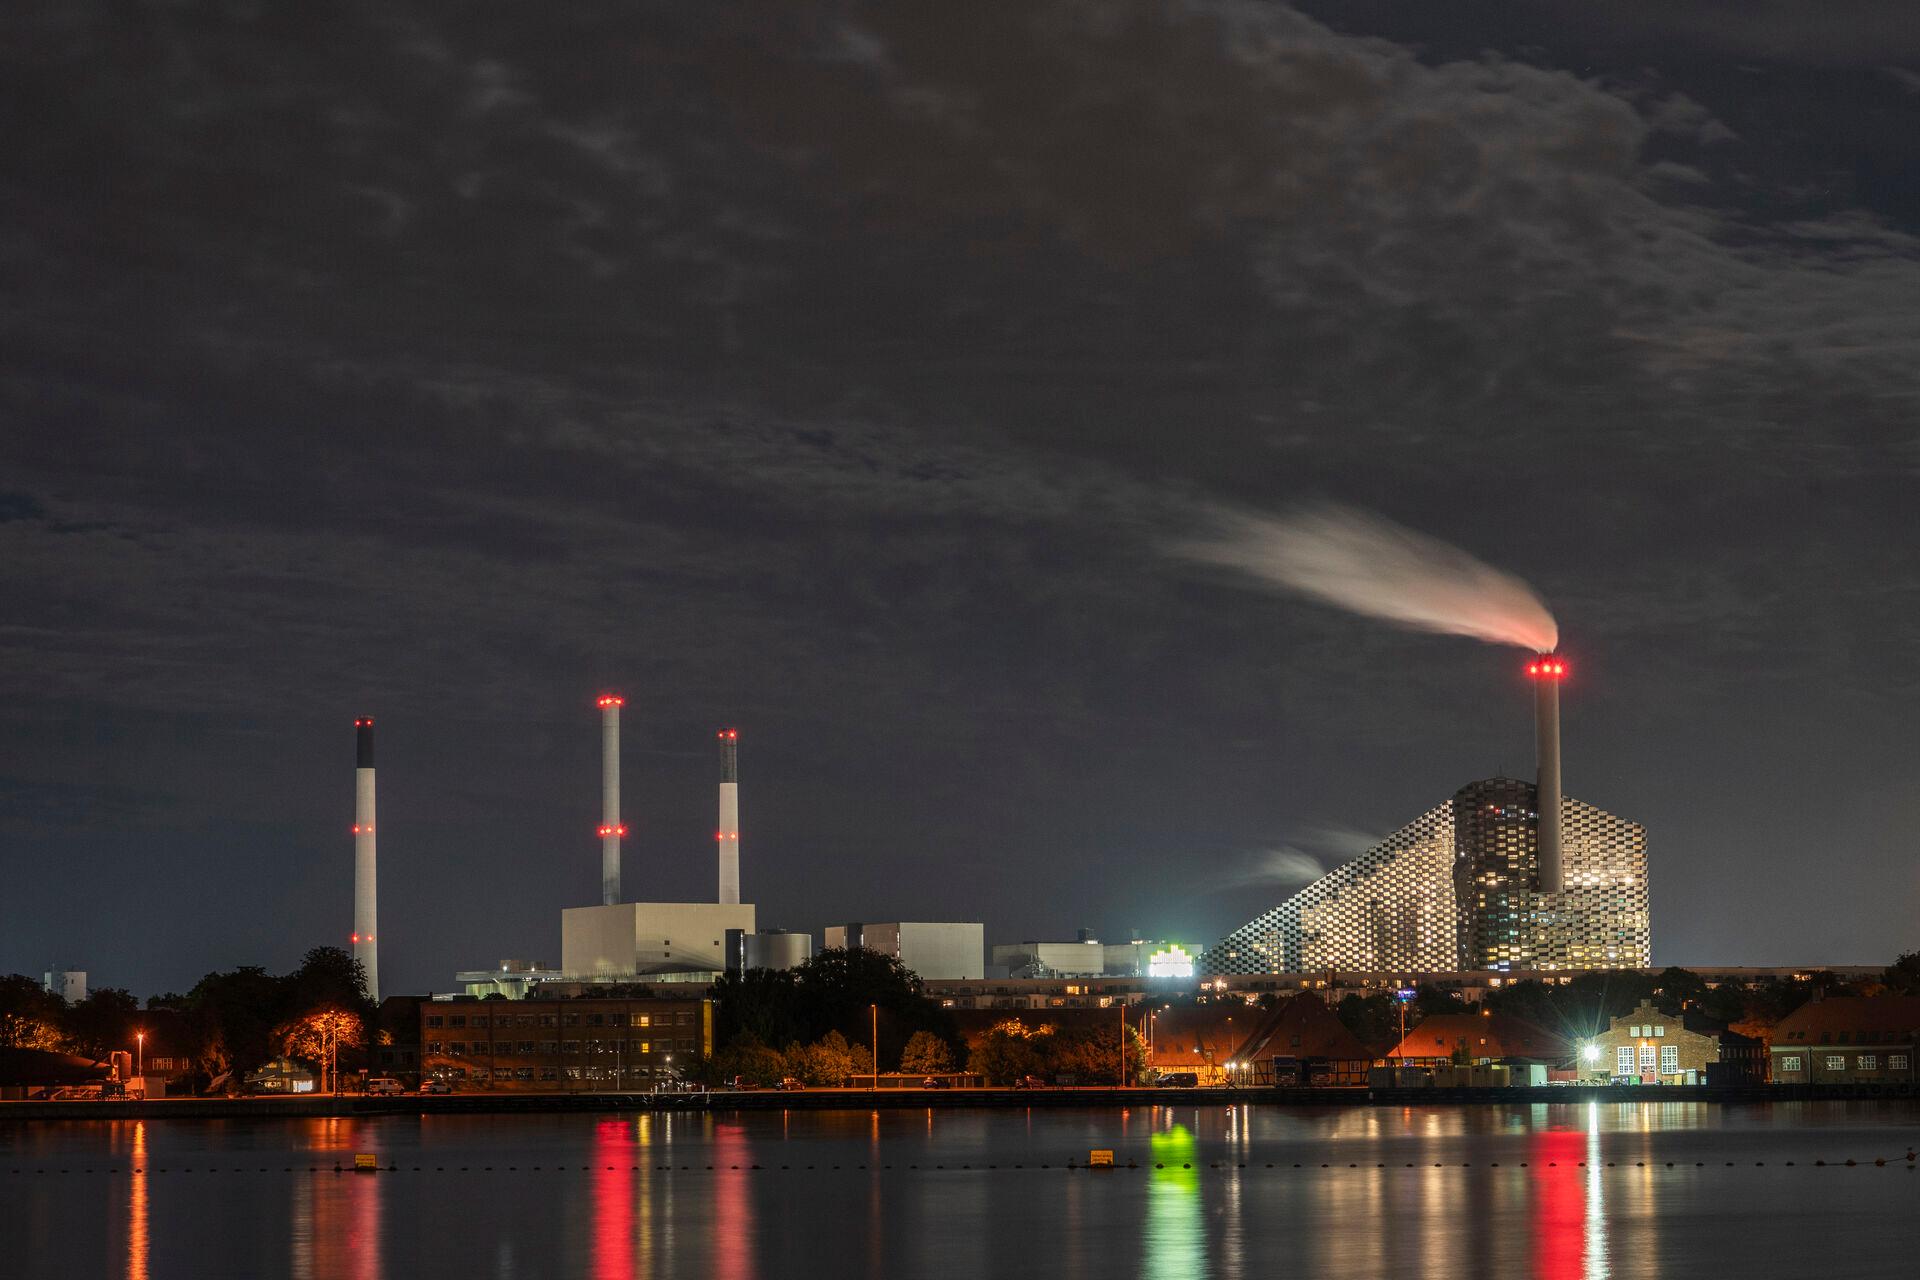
1547 672
366 897
728 835
610 826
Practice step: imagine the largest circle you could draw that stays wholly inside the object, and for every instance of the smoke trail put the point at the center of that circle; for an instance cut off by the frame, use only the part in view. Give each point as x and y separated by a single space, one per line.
1375 567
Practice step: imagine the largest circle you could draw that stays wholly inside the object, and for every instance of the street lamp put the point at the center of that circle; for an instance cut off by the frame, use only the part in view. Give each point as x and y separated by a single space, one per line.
140 1053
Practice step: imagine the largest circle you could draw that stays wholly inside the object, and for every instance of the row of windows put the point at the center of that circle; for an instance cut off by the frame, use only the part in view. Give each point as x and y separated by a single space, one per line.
459 1048
1651 1029
1667 1063
1838 1062
683 1018
503 1075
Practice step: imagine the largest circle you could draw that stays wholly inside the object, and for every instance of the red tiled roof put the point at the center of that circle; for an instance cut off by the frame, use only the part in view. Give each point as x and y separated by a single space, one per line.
1495 1035
1302 1027
1863 1019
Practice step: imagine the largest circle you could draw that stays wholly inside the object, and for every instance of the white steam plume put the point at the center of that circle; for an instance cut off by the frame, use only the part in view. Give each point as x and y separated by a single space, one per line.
1375 567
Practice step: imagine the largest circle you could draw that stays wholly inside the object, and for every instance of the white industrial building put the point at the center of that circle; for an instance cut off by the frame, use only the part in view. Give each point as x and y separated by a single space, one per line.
931 950
631 939
1084 958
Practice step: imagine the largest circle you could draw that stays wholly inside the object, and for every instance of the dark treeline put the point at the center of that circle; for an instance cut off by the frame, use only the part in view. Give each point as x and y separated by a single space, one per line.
1591 999
229 1023
816 1022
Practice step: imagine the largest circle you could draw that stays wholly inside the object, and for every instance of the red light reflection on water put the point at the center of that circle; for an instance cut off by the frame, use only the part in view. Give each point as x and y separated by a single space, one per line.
732 1210
613 1152
1559 1205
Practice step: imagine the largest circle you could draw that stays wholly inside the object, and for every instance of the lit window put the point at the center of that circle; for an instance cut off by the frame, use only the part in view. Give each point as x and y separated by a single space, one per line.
1649 1059
1790 1062
1659 1031
1836 1062
1669 1059
1623 1060
1869 1062
1896 1062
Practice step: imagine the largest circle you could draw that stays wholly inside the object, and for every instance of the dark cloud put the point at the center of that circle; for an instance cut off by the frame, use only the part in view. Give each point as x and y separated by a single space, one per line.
841 371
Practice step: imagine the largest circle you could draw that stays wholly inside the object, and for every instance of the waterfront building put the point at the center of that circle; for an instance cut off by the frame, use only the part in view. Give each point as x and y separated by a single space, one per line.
1848 1040
1652 1047
931 950
541 1043
1300 1041
1456 890
1479 1037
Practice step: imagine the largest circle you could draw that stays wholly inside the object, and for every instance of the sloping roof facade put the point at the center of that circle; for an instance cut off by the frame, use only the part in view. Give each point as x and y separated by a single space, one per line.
1851 1020
1302 1027
1482 1035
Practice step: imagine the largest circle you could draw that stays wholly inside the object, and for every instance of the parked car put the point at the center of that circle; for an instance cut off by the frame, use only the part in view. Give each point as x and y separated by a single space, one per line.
430 1086
1029 1082
385 1086
1178 1080
936 1082
790 1085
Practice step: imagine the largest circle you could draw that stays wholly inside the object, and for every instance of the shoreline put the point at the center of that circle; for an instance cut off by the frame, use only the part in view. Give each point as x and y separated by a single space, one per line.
919 1099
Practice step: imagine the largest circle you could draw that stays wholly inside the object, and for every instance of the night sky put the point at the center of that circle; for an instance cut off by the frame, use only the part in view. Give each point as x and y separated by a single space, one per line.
844 373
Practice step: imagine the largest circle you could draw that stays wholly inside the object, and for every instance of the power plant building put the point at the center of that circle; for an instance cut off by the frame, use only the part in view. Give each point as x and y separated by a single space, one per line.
931 950
1459 889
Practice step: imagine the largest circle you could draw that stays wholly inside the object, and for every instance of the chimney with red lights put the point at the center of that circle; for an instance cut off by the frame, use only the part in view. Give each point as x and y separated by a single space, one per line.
1547 671
365 898
728 836
610 828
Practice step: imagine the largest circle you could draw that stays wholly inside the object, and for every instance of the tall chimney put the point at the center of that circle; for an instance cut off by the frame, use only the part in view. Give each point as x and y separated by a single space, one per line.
365 895
728 836
1547 672
610 828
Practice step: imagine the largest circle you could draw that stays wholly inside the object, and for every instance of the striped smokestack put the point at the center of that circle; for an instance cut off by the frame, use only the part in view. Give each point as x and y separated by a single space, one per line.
365 894
1547 672
610 826
728 835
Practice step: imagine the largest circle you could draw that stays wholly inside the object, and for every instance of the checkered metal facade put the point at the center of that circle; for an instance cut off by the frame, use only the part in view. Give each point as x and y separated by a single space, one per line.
1453 891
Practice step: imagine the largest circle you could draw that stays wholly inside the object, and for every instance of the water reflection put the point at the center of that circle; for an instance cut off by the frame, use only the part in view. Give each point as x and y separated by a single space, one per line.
613 1224
732 1204
1175 1244
137 1206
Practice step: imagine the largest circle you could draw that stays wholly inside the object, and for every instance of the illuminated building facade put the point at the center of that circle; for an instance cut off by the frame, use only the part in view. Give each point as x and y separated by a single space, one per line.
1455 890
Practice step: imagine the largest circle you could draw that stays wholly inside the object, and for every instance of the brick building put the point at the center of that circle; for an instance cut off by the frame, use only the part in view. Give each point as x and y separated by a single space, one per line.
1848 1040
585 1043
1652 1047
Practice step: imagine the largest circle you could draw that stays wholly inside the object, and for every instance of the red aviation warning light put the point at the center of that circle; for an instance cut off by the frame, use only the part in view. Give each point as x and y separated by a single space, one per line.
611 700
728 735
613 831
1547 667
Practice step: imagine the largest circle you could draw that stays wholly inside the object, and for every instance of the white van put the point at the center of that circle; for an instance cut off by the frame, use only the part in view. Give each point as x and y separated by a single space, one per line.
385 1086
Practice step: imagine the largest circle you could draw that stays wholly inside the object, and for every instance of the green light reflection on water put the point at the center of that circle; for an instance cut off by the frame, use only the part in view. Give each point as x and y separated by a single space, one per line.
1175 1248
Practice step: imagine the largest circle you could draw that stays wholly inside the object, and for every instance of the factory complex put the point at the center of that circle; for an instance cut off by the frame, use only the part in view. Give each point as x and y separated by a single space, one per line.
1505 877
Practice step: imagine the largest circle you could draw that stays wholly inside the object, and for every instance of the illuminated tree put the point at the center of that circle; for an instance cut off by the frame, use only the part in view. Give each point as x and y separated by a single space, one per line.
29 1017
926 1054
317 1037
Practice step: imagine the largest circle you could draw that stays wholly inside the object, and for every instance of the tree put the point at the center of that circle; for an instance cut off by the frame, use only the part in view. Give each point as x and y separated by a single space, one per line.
1006 1053
1679 988
762 1003
1373 1019
747 1056
102 1022
1903 975
29 1017
926 1055
318 1035
233 1016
